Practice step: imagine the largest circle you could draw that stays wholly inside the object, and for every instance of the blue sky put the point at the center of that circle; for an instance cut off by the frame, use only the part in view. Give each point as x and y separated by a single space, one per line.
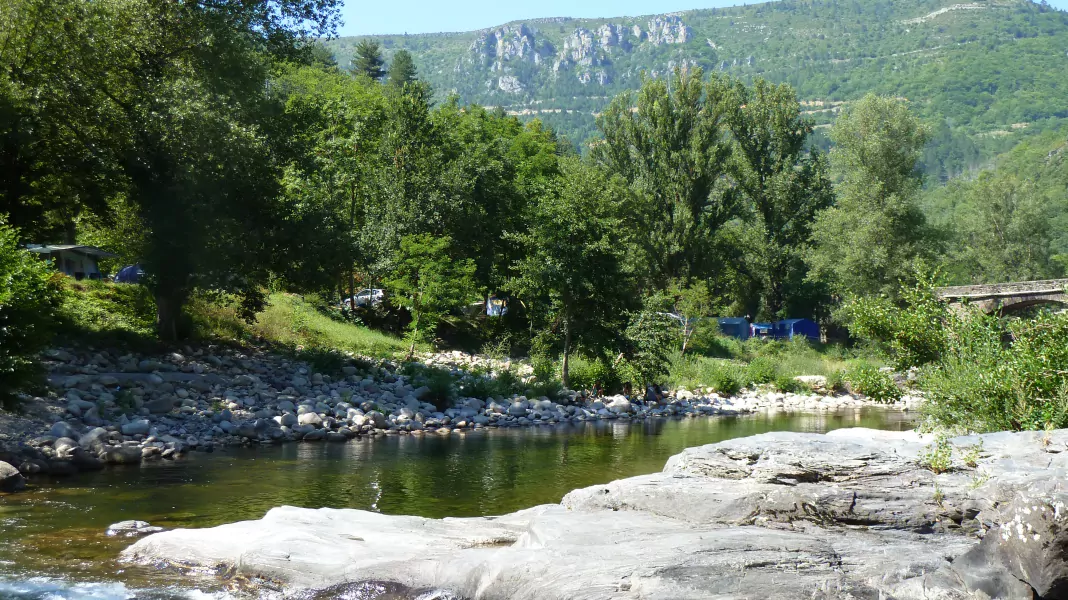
427 16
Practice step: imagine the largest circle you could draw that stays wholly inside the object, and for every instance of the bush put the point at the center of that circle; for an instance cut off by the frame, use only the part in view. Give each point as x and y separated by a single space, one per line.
29 297
787 384
984 384
868 380
913 335
585 374
725 381
760 370
441 382
836 381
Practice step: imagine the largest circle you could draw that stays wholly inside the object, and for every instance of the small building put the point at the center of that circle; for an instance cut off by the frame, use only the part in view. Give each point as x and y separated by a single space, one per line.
787 329
735 327
80 262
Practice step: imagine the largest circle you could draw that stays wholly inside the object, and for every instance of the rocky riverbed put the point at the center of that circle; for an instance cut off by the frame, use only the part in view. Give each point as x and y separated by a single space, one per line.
855 513
110 408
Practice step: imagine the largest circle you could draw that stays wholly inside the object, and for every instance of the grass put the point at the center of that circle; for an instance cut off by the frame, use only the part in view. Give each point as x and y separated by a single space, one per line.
125 314
759 362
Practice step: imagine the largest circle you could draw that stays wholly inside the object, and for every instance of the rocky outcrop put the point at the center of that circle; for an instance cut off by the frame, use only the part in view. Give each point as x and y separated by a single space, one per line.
852 514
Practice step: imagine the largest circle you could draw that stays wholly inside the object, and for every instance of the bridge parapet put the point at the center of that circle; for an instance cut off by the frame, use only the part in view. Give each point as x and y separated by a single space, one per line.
1004 297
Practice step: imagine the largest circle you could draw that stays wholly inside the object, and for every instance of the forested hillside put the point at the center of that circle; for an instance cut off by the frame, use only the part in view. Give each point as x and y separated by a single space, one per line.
982 74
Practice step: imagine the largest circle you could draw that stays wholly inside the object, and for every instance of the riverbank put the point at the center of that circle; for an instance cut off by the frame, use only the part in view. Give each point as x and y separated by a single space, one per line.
854 513
112 408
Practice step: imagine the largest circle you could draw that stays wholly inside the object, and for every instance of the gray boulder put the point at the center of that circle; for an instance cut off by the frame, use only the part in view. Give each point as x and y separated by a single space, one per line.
62 430
161 405
10 479
784 515
310 418
94 440
137 427
122 455
131 529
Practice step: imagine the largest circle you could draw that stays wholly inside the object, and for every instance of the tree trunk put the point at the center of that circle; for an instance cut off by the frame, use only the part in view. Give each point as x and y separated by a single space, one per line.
168 310
352 259
564 377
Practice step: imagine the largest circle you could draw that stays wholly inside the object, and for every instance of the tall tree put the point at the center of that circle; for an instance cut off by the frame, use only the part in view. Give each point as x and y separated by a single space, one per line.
429 281
868 242
672 149
782 185
173 95
573 273
401 69
368 60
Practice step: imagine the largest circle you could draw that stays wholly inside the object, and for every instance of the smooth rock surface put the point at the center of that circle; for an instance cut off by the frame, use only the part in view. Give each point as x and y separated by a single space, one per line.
851 514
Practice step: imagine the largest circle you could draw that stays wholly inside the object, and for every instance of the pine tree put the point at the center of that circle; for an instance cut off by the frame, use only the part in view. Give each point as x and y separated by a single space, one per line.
369 60
402 69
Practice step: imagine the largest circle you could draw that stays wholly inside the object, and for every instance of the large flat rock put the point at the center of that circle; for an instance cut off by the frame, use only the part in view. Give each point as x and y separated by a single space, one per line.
781 515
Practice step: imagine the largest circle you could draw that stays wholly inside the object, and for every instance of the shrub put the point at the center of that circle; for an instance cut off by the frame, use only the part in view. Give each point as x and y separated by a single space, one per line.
836 381
984 384
914 334
868 380
938 457
725 381
760 370
787 384
29 297
584 374
441 382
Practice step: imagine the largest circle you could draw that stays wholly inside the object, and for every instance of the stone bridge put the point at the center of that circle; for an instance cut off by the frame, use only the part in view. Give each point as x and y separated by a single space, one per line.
1007 297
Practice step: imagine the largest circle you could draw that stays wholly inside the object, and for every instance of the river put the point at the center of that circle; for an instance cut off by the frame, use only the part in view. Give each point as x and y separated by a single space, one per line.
53 546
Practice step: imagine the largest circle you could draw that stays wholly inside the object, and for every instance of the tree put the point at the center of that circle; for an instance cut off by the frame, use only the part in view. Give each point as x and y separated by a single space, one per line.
173 95
429 282
402 69
870 240
572 275
369 60
690 305
782 185
1003 229
673 151
28 300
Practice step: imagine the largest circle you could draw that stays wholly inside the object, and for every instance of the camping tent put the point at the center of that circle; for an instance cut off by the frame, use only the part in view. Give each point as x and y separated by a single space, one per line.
788 328
734 326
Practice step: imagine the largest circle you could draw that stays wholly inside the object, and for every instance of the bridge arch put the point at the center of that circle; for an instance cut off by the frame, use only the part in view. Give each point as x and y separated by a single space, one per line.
1006 298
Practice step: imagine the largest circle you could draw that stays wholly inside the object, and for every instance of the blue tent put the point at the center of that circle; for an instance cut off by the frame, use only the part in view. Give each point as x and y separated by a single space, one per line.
735 327
787 329
130 274
761 330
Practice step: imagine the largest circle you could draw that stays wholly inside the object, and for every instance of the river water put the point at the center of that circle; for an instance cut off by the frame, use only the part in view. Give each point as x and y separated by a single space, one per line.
53 546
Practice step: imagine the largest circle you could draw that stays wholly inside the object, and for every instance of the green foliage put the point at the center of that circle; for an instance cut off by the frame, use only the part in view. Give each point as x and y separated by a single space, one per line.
761 370
401 69
869 241
28 300
784 382
970 454
443 386
572 275
650 338
429 282
103 309
368 60
868 380
913 331
938 456
836 381
783 183
676 128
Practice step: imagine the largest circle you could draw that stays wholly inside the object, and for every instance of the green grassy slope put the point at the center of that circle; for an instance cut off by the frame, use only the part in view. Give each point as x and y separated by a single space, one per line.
984 74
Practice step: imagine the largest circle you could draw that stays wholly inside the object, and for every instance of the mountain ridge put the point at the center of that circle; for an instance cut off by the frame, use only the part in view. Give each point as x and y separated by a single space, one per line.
973 70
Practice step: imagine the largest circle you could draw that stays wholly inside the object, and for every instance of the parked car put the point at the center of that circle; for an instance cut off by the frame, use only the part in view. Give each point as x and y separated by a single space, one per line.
364 298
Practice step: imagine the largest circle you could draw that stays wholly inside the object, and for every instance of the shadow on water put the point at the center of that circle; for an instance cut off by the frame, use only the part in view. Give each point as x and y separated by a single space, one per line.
56 530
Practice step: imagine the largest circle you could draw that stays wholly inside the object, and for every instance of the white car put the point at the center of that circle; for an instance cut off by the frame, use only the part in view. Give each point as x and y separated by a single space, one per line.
364 297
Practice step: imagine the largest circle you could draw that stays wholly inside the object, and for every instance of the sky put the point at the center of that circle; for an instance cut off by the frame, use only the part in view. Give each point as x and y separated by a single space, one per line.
366 17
